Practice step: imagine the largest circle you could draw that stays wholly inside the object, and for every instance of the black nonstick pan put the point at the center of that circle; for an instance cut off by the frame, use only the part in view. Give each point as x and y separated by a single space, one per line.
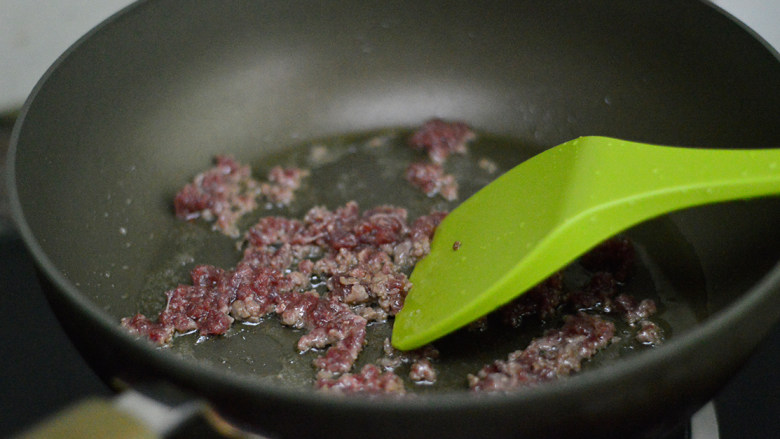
143 102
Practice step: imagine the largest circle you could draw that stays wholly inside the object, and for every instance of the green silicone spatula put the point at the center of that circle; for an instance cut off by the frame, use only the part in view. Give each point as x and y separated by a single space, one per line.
552 208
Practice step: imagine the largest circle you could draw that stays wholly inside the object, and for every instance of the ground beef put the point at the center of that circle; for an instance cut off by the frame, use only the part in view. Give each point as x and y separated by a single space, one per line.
141 325
601 293
558 353
221 194
330 323
334 271
649 333
431 179
633 311
358 260
420 361
440 139
598 294
203 306
422 371
366 276
282 183
263 289
346 228
370 380
414 247
227 191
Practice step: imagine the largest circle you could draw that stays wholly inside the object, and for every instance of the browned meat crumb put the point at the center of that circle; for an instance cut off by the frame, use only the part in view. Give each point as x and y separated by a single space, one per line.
261 288
361 258
393 358
357 263
141 325
332 323
598 294
422 371
421 368
227 191
541 360
222 194
373 278
371 313
649 333
631 311
431 179
370 380
282 183
203 306
440 139
558 353
407 252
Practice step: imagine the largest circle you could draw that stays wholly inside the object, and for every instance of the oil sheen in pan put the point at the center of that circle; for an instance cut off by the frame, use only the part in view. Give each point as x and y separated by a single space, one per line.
369 169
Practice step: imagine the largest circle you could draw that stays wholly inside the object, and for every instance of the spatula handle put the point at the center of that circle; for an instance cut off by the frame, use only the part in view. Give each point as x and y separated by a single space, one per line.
706 175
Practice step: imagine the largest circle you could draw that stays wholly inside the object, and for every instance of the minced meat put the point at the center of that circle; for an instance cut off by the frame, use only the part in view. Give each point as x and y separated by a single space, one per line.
649 333
422 371
431 179
334 272
227 191
558 353
440 138
221 194
613 260
370 380
420 361
282 184
362 256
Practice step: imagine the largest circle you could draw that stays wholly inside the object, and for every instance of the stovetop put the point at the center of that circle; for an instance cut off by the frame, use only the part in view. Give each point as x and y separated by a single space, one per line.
41 372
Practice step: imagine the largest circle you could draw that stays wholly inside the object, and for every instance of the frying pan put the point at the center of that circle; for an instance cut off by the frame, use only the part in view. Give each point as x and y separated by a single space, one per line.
146 99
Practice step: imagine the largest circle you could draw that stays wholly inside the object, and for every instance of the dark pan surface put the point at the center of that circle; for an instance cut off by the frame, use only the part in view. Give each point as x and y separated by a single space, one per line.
134 110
